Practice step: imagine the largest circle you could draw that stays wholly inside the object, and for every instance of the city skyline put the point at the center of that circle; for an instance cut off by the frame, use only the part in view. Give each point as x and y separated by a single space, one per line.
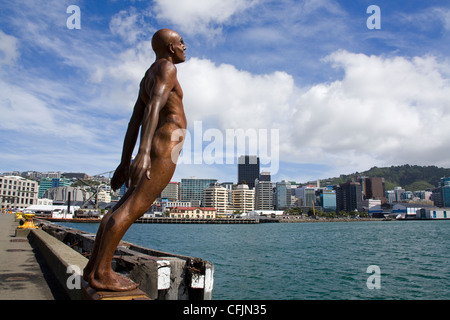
340 95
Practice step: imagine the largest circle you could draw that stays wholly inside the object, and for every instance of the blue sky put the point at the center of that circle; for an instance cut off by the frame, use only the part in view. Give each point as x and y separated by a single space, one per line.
340 97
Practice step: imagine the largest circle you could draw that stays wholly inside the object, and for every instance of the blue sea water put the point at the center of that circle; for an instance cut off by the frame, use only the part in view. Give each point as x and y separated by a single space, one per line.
328 260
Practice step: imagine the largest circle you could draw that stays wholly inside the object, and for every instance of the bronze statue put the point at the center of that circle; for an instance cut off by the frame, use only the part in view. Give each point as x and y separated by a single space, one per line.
159 113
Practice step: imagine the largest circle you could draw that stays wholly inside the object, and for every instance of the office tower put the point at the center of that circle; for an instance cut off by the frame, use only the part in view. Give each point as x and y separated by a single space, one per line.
171 192
327 199
264 176
372 188
243 198
216 196
48 183
283 195
348 196
444 185
192 189
17 192
263 195
248 170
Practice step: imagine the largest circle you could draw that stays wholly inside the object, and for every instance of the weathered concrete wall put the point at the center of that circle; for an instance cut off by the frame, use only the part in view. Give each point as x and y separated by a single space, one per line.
62 260
160 275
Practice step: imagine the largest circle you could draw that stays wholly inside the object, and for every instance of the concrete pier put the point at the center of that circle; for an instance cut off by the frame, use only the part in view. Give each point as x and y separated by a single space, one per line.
24 274
47 263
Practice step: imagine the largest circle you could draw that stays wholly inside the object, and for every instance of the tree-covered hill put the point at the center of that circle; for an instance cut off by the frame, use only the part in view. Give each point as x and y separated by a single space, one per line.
410 178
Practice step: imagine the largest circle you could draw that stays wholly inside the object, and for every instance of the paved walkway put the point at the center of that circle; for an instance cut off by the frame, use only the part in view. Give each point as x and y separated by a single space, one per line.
23 273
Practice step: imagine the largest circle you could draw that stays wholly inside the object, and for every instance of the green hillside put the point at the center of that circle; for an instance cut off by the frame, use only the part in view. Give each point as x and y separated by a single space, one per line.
410 178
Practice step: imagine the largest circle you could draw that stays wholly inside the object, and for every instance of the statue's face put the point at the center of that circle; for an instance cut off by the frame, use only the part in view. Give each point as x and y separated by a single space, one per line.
179 49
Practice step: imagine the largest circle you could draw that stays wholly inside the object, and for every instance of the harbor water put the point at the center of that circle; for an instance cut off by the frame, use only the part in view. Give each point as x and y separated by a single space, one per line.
328 260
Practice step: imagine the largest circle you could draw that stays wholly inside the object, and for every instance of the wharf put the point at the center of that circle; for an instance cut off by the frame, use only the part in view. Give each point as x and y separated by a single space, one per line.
24 274
204 221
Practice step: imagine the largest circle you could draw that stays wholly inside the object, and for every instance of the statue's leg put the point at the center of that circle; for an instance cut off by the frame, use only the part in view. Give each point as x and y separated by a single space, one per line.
102 275
88 269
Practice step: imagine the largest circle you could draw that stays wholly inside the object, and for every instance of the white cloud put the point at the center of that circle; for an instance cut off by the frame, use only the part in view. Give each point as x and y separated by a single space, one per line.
8 48
234 98
200 16
130 25
384 110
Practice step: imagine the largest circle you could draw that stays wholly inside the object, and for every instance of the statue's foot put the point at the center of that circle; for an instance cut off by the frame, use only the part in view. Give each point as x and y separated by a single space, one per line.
112 281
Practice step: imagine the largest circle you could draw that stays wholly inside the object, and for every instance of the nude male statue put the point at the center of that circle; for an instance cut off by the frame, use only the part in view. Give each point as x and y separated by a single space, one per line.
159 113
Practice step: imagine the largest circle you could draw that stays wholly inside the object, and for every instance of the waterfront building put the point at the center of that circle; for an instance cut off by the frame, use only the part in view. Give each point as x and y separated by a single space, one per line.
372 188
192 189
63 194
17 192
348 196
283 195
434 213
229 186
263 195
104 196
47 183
216 196
243 198
399 191
390 195
171 191
248 170
306 196
327 199
445 191
193 212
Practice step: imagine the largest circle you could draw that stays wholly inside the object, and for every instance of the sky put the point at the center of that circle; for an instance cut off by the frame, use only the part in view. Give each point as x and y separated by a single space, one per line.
315 88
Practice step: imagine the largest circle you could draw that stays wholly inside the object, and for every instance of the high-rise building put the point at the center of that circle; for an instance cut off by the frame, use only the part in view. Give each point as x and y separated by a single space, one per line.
192 189
171 191
373 188
283 195
216 196
17 192
327 199
306 196
264 176
263 195
48 183
348 196
243 198
248 170
444 186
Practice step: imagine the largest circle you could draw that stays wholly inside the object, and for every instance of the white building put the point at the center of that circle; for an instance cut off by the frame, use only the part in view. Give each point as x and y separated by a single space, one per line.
216 196
104 196
17 192
243 199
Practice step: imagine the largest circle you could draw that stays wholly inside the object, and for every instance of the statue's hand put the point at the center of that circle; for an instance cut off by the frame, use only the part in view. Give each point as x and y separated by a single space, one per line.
141 166
120 176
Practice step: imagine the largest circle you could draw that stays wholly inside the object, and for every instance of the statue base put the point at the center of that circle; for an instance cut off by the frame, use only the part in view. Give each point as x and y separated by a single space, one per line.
88 293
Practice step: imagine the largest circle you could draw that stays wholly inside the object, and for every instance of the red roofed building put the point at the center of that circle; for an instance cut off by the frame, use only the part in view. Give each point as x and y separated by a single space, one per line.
193 212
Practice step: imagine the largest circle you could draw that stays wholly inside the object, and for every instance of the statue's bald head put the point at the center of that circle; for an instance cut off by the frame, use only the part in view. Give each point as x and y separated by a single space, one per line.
161 39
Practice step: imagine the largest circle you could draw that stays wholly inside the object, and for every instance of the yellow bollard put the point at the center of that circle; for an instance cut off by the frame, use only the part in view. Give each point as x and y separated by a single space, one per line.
19 215
28 224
